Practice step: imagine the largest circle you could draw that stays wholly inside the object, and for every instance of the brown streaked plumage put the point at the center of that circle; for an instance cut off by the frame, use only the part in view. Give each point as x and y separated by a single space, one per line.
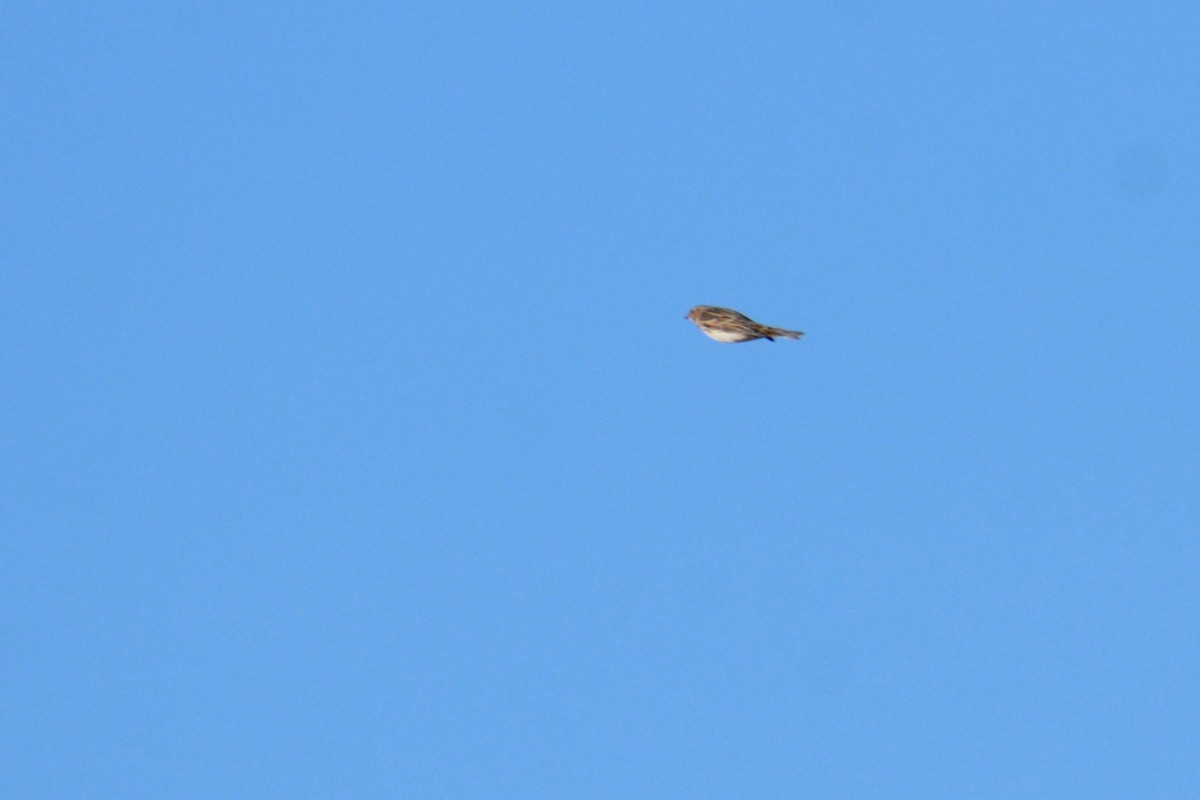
727 325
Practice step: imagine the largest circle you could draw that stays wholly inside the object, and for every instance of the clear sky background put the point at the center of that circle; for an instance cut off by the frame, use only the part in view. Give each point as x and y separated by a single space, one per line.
354 443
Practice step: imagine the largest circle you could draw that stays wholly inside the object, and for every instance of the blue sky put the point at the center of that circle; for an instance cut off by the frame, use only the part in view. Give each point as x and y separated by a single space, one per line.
354 443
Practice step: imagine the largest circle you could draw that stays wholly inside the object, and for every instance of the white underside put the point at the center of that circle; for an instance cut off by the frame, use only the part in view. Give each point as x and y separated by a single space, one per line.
726 336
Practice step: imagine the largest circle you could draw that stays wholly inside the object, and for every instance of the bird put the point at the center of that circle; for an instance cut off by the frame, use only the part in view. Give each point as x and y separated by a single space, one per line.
727 325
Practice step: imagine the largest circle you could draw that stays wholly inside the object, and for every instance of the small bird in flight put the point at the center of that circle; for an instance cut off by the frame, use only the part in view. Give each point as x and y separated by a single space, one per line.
727 325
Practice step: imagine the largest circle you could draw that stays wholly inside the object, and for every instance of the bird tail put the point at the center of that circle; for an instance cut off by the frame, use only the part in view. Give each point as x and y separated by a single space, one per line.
782 333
